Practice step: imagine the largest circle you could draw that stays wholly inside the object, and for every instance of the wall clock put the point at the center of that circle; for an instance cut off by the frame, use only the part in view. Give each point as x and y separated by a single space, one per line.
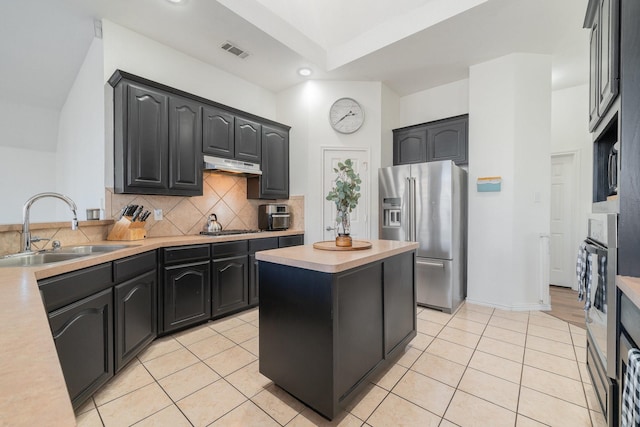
346 115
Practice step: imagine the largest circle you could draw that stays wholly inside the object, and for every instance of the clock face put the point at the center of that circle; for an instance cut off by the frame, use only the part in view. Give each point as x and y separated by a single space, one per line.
346 115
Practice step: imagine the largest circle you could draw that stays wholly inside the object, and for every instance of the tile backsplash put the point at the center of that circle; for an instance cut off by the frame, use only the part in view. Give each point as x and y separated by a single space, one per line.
223 194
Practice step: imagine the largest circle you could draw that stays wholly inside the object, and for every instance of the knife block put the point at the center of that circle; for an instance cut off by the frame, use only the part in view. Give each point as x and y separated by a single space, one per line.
125 229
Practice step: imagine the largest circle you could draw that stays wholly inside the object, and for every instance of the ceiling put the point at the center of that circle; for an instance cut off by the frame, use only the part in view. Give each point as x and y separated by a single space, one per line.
410 45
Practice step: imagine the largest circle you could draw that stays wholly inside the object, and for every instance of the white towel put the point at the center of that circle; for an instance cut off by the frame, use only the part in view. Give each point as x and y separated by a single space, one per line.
630 414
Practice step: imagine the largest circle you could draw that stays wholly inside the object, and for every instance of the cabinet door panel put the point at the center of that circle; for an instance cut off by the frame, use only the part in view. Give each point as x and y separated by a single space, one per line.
359 333
410 146
147 139
593 73
247 140
187 295
254 280
274 182
83 335
448 141
218 132
230 284
608 54
399 299
135 314
185 142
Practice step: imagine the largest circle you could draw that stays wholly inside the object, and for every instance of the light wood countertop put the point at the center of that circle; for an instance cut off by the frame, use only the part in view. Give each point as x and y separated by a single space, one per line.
310 258
631 288
32 387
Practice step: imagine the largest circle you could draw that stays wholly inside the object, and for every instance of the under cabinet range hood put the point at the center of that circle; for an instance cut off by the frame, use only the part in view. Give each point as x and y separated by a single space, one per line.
231 165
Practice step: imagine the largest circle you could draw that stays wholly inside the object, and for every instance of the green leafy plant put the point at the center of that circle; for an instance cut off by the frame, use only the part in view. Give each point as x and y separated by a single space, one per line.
345 194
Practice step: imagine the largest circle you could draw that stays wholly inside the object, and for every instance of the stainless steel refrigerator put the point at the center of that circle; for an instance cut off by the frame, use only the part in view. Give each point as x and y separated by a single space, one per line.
427 203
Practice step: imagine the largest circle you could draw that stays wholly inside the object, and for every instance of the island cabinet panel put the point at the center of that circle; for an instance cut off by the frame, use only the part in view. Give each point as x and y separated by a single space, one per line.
135 316
399 300
83 335
360 348
347 325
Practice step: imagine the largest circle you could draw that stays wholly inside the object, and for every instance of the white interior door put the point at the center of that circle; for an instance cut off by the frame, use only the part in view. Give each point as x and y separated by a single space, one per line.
563 202
360 215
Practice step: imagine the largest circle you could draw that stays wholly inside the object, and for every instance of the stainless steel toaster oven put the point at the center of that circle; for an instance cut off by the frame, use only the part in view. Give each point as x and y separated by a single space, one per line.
274 216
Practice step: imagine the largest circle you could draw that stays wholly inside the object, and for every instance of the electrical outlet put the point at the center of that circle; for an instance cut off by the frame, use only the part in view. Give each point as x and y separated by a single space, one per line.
157 214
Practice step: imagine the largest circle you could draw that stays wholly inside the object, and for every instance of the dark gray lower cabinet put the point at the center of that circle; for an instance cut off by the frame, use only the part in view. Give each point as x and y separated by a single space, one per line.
135 315
254 279
286 241
230 284
187 295
83 334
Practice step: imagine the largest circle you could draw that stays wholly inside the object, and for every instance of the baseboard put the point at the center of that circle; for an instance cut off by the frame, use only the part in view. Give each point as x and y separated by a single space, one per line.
514 307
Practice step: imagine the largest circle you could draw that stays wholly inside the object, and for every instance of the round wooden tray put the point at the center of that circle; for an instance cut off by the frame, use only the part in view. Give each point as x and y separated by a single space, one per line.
330 245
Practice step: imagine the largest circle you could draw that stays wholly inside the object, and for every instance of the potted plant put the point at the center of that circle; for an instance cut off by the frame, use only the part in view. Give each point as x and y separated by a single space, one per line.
345 194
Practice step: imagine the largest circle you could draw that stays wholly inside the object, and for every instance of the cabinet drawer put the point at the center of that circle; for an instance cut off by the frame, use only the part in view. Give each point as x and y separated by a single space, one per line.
185 253
630 318
262 244
231 248
67 288
285 241
126 268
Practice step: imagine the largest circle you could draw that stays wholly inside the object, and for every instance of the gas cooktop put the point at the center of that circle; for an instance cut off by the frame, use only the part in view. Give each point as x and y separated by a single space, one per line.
227 232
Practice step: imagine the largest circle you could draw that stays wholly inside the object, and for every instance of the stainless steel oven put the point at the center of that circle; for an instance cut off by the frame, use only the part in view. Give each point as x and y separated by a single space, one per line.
600 319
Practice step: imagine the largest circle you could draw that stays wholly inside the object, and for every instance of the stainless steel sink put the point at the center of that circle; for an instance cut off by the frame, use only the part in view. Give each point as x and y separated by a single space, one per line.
33 259
90 249
57 255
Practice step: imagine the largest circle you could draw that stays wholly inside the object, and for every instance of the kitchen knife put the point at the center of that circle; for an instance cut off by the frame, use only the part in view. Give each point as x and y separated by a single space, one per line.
145 215
131 210
137 212
122 211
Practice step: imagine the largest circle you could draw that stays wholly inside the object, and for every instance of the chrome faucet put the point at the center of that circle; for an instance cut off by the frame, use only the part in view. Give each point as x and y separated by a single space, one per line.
26 235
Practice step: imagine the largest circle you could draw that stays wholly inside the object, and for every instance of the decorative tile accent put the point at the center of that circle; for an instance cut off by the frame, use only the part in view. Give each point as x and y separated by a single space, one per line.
225 195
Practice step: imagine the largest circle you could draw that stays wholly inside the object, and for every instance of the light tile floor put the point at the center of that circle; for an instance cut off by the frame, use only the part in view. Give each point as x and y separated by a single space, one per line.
479 367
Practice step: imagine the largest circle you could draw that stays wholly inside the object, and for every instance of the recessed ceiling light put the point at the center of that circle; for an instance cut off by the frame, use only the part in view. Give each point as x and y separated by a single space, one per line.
304 72
176 1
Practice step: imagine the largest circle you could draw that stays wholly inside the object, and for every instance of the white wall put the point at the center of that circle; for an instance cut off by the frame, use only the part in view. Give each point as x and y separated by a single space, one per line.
509 134
139 55
28 138
80 154
24 173
390 120
570 133
433 104
306 108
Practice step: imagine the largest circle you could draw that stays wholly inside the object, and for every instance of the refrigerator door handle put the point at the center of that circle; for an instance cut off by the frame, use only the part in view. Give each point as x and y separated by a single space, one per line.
431 263
412 209
408 229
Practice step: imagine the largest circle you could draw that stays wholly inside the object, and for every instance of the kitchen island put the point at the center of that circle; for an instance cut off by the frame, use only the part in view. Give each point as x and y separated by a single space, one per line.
329 320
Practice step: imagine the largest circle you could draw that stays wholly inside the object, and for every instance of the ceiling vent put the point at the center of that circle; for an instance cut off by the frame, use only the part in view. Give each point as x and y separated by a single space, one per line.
231 48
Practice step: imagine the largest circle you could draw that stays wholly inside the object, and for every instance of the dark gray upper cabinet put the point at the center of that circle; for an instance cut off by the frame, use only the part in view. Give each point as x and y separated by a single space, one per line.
157 142
141 146
274 182
410 145
218 132
603 18
185 139
445 139
247 140
448 141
